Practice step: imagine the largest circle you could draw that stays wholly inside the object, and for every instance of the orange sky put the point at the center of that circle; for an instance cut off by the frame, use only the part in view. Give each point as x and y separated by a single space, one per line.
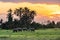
48 11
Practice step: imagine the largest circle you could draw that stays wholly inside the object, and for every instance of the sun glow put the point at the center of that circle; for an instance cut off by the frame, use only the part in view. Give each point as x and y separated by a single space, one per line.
41 9
57 12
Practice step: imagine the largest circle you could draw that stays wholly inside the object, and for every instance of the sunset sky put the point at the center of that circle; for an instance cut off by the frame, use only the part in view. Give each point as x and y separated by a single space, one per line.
45 9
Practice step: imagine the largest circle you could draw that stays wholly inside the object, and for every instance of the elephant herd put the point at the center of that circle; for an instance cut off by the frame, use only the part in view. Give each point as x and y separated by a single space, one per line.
23 29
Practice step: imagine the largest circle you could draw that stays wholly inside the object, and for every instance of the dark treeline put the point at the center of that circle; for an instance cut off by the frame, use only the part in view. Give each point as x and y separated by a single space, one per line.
26 20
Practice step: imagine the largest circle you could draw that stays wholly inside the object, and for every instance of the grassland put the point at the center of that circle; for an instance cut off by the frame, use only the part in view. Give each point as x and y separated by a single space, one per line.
42 34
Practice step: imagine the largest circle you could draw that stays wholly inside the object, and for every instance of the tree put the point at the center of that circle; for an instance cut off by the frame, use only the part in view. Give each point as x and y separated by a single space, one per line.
26 16
18 12
10 19
36 25
50 24
1 21
58 25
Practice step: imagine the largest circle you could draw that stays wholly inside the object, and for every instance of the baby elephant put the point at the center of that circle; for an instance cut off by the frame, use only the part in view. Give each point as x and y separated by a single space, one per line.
17 29
31 29
14 30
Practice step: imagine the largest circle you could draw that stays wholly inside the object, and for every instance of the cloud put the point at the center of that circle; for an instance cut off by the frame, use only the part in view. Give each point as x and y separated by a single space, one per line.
43 10
34 1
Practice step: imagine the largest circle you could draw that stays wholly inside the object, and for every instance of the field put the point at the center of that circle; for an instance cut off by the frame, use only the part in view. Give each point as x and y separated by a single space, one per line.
42 34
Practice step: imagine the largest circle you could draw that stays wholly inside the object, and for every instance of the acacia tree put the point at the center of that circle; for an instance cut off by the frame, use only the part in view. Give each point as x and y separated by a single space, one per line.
26 16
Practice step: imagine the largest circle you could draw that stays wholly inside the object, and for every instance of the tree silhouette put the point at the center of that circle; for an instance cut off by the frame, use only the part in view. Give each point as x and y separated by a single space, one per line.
36 25
26 16
10 19
9 23
26 20
53 24
18 12
1 21
58 25
50 24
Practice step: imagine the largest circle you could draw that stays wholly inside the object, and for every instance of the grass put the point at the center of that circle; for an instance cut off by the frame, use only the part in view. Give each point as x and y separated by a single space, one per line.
42 34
